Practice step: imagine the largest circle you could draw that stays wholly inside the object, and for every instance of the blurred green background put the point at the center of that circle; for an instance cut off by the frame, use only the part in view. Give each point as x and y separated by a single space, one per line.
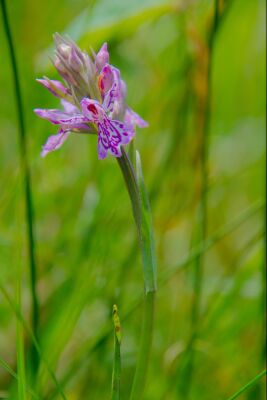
86 248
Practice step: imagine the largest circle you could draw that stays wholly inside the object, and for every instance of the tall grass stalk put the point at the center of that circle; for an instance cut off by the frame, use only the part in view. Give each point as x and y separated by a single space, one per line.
34 340
248 386
20 348
185 381
24 165
11 372
141 211
116 375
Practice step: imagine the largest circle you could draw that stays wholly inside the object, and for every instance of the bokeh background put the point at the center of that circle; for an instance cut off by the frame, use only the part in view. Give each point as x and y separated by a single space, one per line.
209 321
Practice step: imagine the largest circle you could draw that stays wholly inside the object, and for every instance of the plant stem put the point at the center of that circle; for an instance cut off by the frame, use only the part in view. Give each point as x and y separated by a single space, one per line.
141 211
116 375
27 182
145 346
184 382
249 385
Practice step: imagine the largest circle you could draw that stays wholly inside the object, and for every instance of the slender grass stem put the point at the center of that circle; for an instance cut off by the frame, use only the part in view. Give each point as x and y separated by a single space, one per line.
20 347
11 372
116 375
204 172
35 342
184 384
145 346
249 385
141 211
27 181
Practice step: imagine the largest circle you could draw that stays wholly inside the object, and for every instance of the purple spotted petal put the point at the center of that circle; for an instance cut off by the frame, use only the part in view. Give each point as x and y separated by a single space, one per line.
92 110
102 57
55 87
60 117
112 135
131 118
54 142
110 98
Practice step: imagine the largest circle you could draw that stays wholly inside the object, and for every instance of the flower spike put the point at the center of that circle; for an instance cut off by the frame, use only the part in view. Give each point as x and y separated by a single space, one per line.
93 100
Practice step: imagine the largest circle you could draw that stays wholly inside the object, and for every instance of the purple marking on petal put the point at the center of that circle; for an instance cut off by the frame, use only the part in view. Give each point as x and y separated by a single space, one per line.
60 117
111 135
54 142
92 110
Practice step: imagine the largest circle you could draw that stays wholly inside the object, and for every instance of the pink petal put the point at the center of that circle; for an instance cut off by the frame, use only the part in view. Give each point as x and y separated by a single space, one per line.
60 117
55 87
132 118
68 107
112 135
92 110
54 142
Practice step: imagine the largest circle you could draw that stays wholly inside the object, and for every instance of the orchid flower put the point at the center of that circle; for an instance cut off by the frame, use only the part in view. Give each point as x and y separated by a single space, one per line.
93 99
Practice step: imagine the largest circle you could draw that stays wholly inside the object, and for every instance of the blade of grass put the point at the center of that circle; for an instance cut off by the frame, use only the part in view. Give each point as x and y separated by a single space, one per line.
186 375
33 339
24 165
20 348
8 369
249 385
116 375
215 307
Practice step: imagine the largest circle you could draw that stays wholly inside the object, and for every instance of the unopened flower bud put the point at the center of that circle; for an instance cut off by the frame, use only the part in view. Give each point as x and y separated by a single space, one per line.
74 60
59 66
102 57
55 87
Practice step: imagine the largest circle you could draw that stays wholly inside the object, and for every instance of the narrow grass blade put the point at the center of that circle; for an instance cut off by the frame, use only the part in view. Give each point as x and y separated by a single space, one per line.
249 385
24 165
8 369
33 339
20 348
116 375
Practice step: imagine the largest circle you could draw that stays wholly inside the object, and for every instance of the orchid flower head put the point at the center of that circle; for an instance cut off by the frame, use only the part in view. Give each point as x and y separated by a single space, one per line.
93 98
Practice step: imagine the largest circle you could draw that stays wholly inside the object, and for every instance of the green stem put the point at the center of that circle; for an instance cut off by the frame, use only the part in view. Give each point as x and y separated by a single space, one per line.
116 376
141 211
186 377
145 346
27 183
249 385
